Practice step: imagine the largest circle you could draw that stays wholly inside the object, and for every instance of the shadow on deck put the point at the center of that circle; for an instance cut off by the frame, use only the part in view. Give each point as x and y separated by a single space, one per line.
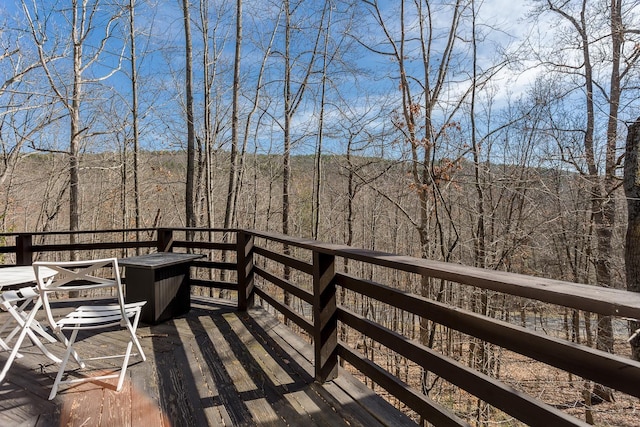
214 366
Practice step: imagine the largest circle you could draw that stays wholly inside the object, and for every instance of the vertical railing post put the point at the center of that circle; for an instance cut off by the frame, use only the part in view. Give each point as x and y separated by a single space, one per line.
165 240
325 321
244 265
24 249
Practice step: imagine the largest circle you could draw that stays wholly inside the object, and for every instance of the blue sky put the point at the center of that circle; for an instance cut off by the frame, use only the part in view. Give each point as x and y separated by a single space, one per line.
162 80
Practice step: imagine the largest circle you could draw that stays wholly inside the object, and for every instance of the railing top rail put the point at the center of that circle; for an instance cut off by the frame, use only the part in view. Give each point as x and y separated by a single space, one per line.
299 242
201 229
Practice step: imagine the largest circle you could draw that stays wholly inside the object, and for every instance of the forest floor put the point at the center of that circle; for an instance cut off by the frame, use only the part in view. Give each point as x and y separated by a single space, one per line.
555 387
567 392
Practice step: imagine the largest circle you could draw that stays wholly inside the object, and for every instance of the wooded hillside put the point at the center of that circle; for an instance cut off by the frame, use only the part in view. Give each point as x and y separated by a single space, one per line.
539 222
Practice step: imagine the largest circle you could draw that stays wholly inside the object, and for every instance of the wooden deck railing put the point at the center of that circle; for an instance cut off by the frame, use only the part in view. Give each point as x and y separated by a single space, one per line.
319 288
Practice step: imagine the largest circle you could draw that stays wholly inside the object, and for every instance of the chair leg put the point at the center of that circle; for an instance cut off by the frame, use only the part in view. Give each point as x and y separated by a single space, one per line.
63 339
134 338
41 346
13 354
24 324
123 369
63 364
4 345
22 320
15 310
35 325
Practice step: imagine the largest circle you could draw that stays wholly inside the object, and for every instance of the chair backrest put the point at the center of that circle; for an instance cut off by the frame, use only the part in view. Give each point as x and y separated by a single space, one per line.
77 276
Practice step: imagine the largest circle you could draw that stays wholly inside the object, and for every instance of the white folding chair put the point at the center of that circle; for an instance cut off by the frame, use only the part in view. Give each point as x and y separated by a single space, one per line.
17 304
88 276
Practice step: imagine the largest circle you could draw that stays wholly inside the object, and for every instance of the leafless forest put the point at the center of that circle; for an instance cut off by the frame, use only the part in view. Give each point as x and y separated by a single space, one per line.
528 226
447 130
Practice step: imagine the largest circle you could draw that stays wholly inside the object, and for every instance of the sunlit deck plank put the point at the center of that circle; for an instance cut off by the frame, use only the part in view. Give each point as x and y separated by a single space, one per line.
203 381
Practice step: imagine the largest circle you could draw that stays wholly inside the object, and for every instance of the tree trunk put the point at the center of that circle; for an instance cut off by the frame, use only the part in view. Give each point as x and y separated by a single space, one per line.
75 130
134 120
632 246
286 155
235 123
190 218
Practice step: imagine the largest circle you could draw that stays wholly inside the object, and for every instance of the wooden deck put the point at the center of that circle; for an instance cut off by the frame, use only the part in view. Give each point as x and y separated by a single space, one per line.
214 366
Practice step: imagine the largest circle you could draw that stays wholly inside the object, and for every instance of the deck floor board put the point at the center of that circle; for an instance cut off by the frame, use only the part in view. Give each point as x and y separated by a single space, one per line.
213 366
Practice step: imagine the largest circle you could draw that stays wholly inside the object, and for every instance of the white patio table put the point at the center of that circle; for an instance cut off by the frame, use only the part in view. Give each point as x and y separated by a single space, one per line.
19 275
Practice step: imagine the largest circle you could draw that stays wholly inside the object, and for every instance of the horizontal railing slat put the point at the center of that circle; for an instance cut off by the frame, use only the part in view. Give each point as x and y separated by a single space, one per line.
285 285
204 245
285 311
290 261
61 247
213 284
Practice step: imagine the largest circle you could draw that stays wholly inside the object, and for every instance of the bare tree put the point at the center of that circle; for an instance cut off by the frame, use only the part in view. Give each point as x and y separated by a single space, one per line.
134 114
632 246
254 97
19 117
421 92
294 87
317 170
213 31
190 215
601 52
235 121
89 37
